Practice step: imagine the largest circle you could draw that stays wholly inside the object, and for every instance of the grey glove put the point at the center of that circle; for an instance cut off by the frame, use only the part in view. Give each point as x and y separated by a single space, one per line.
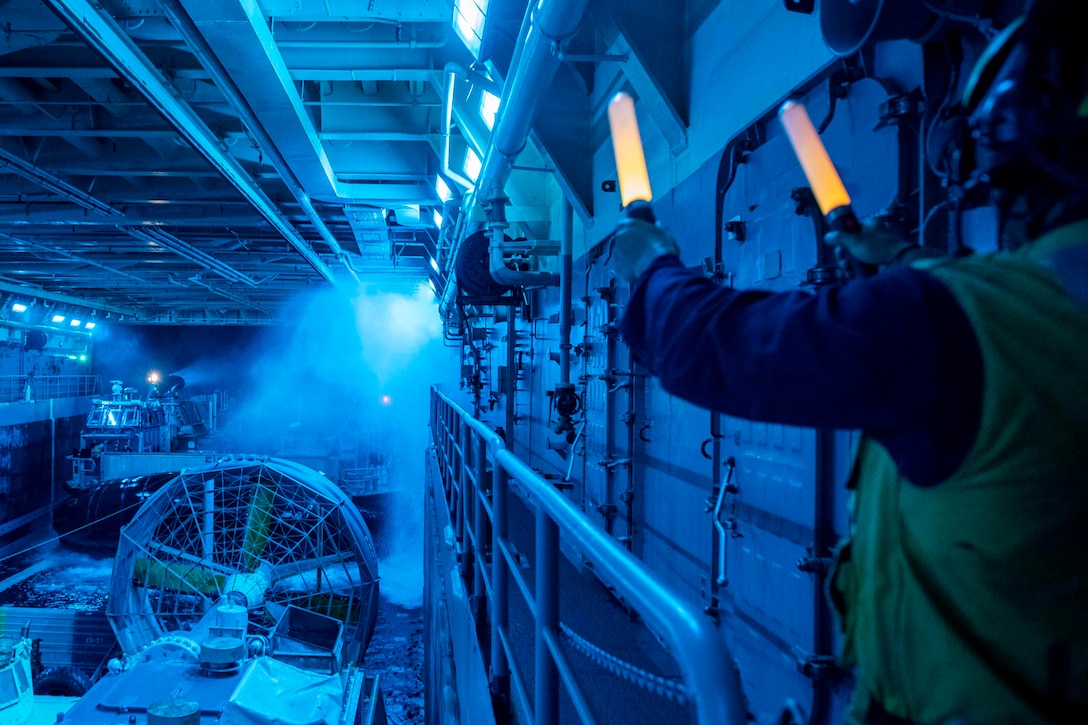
879 242
636 245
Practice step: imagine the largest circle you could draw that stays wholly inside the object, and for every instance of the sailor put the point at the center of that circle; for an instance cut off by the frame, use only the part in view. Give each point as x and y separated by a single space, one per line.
963 588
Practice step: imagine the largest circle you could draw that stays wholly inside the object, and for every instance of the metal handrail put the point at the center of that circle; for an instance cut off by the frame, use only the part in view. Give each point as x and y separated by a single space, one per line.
29 388
465 447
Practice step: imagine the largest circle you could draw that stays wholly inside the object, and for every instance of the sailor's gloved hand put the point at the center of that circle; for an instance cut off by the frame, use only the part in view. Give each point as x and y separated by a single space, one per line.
880 242
636 245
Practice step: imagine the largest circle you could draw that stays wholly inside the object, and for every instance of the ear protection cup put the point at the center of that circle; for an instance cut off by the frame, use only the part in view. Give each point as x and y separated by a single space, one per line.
1027 106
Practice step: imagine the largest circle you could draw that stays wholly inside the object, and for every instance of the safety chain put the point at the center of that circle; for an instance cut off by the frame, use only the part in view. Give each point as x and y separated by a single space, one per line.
670 689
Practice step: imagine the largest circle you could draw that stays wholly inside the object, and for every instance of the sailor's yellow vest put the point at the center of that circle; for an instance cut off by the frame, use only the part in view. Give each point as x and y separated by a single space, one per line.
969 599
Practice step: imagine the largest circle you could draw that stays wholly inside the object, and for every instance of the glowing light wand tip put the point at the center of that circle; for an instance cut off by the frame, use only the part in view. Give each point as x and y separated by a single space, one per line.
634 181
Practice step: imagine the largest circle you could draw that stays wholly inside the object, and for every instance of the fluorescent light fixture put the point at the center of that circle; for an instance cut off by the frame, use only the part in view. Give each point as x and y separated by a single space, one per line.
437 218
468 23
442 189
489 106
434 265
83 358
58 318
18 307
89 326
76 323
472 164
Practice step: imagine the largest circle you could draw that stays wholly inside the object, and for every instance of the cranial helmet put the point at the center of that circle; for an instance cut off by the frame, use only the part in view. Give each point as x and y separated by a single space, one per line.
1027 105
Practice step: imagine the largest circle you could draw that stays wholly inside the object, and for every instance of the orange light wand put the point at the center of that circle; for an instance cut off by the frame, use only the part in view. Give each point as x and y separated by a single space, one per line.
826 184
635 193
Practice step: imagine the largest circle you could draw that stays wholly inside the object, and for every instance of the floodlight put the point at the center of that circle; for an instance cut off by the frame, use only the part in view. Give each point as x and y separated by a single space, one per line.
472 165
489 106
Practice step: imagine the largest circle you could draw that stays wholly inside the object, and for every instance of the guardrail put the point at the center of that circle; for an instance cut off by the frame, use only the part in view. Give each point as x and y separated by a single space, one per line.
365 481
45 387
467 450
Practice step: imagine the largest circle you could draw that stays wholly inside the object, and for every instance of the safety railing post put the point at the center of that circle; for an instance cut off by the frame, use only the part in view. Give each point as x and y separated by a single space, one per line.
447 469
468 469
456 506
438 426
478 522
500 602
433 410
468 495
546 693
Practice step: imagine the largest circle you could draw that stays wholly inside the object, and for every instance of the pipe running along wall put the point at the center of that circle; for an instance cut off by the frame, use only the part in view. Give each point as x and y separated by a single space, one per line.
547 24
189 32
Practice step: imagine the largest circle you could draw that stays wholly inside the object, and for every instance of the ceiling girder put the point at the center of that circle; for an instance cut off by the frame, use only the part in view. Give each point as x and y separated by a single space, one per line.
104 35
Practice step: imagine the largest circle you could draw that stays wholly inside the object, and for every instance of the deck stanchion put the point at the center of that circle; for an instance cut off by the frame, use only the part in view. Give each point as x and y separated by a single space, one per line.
546 700
500 670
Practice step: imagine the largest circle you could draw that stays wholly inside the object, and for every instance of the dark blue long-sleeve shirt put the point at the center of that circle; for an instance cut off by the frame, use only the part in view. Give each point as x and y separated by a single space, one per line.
892 354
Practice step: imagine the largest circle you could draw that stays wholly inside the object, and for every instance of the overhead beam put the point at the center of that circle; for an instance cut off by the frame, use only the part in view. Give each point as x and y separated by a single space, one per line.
365 74
71 257
58 186
103 34
43 294
241 41
390 194
55 184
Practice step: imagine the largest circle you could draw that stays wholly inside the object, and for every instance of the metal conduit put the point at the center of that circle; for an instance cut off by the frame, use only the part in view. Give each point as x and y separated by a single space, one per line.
566 271
188 251
103 34
68 255
710 676
55 184
58 186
